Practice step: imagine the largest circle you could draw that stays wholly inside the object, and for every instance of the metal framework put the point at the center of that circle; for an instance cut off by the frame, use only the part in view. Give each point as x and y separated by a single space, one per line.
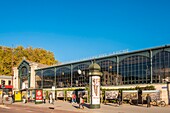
139 67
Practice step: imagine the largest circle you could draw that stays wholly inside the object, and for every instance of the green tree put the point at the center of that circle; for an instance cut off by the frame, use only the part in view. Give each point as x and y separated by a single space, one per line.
11 57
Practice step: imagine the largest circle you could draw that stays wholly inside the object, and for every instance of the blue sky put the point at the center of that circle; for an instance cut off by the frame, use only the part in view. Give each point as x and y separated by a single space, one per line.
76 29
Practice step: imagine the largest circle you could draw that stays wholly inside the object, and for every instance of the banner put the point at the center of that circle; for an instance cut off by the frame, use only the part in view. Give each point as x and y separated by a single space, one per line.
69 94
154 94
60 94
38 95
111 94
17 96
130 95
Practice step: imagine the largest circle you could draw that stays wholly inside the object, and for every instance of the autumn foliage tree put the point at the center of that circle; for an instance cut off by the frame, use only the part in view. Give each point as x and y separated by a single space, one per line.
13 56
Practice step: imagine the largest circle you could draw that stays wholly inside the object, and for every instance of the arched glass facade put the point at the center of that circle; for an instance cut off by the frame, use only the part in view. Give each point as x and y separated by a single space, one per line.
24 71
140 67
135 70
24 75
109 70
63 77
161 66
48 78
80 76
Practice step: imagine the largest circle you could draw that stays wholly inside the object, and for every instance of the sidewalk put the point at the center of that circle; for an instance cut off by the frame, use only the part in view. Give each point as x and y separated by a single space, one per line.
109 108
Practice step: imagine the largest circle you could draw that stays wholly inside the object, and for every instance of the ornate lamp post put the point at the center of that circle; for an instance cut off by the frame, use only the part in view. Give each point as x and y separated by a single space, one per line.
94 83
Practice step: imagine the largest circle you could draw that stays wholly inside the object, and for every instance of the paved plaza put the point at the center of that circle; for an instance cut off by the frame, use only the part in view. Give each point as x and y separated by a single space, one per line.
109 108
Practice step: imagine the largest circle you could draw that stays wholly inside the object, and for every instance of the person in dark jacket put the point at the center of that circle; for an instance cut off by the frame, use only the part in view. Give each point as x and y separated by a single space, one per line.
119 99
148 100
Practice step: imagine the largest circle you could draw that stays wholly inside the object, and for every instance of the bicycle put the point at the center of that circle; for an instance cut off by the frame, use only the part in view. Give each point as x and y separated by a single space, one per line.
159 103
7 100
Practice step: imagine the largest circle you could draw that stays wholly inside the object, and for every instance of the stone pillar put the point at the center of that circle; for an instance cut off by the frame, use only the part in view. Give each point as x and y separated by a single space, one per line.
32 75
94 83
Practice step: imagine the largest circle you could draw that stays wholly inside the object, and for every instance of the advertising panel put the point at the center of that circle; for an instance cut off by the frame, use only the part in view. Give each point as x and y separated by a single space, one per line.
154 94
60 94
17 96
130 95
1 93
95 89
38 95
69 94
111 94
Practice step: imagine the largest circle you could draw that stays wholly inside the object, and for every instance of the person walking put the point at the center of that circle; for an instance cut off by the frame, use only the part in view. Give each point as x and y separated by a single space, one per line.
148 100
12 96
119 99
44 98
73 98
81 103
51 98
24 99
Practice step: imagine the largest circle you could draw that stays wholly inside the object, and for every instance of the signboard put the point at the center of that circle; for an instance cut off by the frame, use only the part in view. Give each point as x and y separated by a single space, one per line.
60 94
130 95
1 93
69 94
111 94
154 94
17 96
95 89
164 87
38 96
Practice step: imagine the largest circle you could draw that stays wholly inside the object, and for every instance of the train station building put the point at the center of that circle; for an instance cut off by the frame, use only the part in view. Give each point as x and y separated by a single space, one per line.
147 67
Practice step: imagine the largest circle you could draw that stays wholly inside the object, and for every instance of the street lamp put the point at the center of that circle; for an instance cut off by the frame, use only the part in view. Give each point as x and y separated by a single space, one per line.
12 64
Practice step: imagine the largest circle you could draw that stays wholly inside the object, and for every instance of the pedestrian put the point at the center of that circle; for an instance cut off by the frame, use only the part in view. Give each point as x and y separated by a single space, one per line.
12 96
81 103
73 98
51 98
148 100
24 99
119 99
44 98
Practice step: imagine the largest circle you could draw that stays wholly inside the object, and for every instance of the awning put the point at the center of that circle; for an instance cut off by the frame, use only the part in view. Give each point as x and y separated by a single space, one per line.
7 87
